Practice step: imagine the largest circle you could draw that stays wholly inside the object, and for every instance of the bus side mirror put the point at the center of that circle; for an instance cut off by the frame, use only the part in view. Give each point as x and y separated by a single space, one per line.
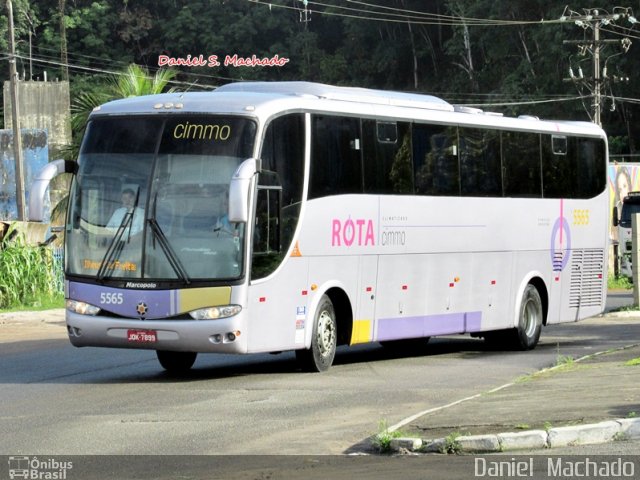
615 216
41 183
239 190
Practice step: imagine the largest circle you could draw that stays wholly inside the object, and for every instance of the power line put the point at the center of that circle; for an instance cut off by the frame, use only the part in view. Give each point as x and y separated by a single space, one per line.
434 20
113 72
527 102
595 19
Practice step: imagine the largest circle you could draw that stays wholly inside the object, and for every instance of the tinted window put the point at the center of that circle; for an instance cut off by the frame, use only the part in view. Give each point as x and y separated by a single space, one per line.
387 157
479 162
590 161
336 163
559 166
521 164
435 160
279 193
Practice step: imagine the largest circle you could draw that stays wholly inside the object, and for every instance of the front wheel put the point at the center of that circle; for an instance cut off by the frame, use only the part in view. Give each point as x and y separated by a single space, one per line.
176 362
320 356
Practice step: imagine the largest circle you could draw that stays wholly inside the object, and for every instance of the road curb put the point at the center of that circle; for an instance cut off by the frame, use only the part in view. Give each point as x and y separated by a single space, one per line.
596 433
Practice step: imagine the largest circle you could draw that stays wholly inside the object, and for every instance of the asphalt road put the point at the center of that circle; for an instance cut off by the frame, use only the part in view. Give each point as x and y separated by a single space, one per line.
58 399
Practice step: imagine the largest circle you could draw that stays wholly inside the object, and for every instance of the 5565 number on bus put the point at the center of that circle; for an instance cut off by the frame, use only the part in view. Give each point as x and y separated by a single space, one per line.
111 298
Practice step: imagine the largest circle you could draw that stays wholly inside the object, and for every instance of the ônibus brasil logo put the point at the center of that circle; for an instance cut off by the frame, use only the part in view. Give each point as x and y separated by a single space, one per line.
34 468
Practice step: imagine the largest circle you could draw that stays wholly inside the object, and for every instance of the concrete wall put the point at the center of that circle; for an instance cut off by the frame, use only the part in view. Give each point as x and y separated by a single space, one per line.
35 156
44 106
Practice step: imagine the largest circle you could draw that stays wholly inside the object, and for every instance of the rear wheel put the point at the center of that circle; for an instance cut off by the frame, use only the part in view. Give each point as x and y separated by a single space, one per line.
176 362
320 356
527 333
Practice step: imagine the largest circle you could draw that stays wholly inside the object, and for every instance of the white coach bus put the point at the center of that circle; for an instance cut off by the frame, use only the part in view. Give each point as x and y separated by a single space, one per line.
281 216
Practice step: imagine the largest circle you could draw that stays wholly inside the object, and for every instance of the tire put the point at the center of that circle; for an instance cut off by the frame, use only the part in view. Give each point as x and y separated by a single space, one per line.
526 335
320 356
176 362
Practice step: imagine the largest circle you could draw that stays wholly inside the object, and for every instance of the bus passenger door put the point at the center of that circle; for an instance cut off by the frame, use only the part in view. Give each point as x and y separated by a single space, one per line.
363 321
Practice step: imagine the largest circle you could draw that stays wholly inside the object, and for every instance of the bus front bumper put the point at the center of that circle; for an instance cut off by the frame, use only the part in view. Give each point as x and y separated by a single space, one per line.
215 336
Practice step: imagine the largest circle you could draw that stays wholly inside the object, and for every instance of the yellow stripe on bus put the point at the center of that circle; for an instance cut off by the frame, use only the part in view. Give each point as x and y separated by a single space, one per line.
361 332
192 298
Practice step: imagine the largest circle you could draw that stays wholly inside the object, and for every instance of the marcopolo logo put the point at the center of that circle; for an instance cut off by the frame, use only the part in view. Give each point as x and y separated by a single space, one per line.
35 468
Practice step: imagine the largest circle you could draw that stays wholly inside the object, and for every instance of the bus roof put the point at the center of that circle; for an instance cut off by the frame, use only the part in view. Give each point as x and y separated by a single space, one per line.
268 98
347 94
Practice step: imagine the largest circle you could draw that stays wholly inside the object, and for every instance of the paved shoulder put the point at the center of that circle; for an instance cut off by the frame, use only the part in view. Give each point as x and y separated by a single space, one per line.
590 400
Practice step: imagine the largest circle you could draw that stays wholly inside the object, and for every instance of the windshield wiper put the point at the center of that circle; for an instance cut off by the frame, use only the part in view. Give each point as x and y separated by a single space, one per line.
174 261
115 246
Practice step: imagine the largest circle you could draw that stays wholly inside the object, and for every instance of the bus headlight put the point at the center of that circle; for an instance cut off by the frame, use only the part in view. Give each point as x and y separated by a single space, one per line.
213 313
82 308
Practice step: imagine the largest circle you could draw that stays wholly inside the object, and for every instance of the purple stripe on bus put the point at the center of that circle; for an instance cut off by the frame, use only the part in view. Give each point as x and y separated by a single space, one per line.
125 302
428 325
473 321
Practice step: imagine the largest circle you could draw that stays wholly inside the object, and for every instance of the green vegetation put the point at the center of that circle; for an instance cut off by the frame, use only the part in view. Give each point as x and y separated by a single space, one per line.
633 362
26 274
619 283
451 443
37 303
628 308
439 46
564 361
382 440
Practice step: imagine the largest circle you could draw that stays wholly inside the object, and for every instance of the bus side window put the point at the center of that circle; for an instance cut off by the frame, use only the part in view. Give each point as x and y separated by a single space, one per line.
480 173
558 166
336 162
386 156
435 157
280 187
521 173
267 248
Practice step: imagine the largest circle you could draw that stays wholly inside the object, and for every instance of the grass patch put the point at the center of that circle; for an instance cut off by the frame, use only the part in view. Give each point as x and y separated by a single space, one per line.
382 440
634 362
451 443
564 361
619 283
26 272
44 302
627 308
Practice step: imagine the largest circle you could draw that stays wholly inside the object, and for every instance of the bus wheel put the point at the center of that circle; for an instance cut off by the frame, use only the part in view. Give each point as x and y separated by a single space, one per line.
527 333
176 362
320 356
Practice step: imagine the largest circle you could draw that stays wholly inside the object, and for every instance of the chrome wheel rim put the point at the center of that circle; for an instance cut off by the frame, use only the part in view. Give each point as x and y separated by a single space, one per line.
326 334
531 316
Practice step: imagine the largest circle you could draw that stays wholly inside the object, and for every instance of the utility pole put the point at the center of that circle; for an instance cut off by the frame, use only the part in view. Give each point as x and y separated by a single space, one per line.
15 117
594 19
63 42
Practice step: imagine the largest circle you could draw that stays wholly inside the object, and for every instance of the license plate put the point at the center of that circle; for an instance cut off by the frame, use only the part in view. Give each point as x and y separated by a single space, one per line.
142 336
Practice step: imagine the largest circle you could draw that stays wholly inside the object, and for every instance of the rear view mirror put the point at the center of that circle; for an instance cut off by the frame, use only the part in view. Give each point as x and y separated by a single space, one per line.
240 189
41 183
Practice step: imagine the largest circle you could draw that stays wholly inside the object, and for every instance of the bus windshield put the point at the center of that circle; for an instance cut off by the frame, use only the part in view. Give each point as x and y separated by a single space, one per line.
150 199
